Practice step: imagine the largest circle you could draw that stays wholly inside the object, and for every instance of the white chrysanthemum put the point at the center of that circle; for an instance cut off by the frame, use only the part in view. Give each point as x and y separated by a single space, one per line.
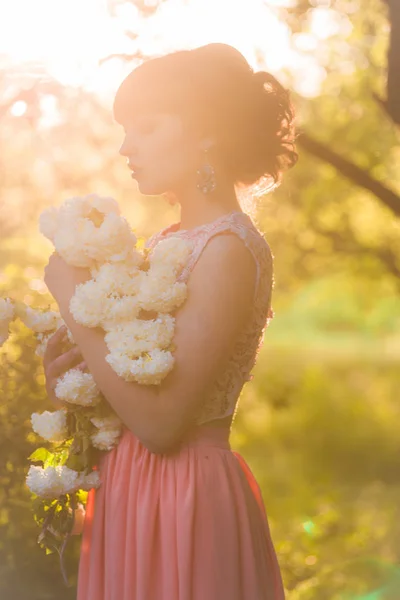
40 321
120 310
161 295
49 222
82 242
119 279
69 244
93 308
121 364
75 208
94 269
104 204
88 304
87 482
111 298
51 426
135 258
154 369
77 387
88 229
164 274
150 369
52 482
112 241
105 439
171 252
139 336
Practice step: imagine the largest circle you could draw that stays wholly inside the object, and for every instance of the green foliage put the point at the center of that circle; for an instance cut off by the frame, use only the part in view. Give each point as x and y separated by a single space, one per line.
319 428
319 424
25 570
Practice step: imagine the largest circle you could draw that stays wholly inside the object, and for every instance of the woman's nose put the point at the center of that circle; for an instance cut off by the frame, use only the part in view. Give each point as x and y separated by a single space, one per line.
127 148
124 148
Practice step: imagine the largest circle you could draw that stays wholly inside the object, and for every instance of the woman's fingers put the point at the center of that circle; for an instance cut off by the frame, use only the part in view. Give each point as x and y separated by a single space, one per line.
54 345
57 362
63 363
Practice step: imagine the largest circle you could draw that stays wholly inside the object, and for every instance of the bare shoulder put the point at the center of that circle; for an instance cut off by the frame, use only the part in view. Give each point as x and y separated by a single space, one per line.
220 292
225 267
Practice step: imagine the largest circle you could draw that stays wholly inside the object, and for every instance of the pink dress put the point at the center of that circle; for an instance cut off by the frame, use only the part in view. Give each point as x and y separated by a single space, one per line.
190 524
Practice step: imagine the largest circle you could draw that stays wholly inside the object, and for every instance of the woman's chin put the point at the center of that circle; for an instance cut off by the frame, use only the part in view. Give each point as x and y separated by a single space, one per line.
148 189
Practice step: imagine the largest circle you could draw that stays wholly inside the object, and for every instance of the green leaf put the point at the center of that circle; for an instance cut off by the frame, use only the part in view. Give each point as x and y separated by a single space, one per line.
81 496
63 456
74 462
40 455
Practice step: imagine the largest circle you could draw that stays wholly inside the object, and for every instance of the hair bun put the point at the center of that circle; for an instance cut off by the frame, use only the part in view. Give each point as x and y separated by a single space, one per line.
217 93
263 78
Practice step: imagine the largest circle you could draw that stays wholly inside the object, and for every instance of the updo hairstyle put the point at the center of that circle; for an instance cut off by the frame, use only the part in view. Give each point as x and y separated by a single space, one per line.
217 93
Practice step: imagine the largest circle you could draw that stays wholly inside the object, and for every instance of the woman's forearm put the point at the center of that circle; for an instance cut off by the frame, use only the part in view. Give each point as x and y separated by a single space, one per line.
140 407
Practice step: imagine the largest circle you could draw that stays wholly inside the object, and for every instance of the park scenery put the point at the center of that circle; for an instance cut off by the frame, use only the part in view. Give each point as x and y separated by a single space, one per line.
319 423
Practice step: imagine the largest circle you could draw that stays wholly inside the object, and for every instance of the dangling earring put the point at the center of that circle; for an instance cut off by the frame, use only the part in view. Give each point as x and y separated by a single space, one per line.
206 181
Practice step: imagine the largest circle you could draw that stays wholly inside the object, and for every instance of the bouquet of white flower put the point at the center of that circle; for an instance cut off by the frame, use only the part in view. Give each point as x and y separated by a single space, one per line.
127 282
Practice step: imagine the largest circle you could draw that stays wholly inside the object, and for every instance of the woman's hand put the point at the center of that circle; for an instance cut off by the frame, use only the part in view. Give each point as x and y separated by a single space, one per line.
56 363
62 279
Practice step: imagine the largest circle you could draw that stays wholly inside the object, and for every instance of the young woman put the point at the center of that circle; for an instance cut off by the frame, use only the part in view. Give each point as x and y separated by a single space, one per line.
179 515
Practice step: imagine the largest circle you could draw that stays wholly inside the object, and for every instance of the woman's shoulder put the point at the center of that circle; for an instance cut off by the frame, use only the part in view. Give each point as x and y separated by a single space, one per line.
251 234
237 222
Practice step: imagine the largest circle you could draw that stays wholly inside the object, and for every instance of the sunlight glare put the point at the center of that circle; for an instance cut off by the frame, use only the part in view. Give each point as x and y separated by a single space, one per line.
19 108
69 37
326 22
249 26
50 115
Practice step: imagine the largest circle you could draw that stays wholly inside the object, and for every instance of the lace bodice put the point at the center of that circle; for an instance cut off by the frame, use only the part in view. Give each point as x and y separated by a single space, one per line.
222 399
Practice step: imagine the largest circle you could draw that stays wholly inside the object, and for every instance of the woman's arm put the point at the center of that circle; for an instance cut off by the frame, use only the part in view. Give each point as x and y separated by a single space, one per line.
220 292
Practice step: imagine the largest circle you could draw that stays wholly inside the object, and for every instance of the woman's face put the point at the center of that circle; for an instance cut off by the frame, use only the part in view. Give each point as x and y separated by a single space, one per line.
160 154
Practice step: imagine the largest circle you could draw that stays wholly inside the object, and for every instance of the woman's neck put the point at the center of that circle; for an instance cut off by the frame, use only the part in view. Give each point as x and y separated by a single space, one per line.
199 209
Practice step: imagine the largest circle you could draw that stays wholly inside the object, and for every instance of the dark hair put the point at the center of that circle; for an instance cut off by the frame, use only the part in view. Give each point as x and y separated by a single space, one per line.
215 90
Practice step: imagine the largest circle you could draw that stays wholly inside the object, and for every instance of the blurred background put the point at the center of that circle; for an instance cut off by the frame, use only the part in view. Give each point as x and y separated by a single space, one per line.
320 423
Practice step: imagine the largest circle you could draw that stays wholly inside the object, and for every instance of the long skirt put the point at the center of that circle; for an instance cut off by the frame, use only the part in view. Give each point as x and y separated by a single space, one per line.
186 525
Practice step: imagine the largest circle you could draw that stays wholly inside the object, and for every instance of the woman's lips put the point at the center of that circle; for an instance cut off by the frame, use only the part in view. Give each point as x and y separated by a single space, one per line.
135 171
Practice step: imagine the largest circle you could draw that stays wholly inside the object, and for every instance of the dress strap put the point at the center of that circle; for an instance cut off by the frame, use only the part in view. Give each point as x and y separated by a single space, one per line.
237 223
152 240
245 230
